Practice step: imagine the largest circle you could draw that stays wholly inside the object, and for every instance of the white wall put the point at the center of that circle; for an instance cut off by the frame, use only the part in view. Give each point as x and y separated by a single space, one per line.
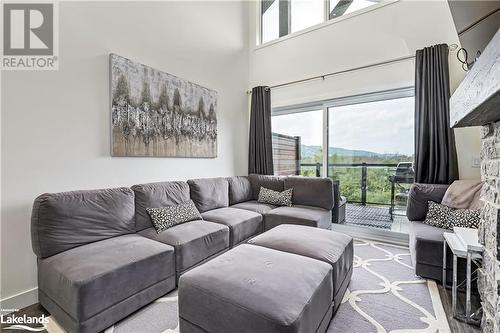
467 139
392 31
56 125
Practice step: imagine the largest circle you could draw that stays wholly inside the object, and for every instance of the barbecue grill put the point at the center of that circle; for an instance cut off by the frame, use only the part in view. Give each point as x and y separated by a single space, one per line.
404 175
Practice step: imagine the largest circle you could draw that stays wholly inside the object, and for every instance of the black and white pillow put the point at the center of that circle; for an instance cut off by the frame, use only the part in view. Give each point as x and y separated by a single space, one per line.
467 218
446 217
166 217
275 198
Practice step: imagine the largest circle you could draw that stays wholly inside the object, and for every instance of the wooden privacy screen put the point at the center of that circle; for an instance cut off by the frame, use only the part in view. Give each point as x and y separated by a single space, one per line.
286 154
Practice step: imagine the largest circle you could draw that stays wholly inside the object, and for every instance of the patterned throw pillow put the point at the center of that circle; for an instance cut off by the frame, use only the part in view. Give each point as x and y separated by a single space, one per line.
275 198
445 217
166 217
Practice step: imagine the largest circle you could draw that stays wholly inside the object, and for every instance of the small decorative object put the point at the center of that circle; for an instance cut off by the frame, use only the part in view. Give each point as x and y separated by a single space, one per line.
442 216
167 217
275 198
157 114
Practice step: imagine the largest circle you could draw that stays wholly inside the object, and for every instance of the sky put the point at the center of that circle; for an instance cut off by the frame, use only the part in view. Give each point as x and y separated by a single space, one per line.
382 127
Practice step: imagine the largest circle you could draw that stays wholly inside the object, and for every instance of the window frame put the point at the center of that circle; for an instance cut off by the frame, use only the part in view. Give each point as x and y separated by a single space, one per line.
324 105
285 10
326 21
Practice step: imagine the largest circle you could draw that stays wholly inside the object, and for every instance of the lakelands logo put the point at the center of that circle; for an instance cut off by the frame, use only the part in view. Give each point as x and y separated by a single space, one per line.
24 322
30 36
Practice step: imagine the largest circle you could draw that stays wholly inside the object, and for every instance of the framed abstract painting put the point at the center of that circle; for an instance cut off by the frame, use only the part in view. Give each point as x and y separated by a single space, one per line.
156 114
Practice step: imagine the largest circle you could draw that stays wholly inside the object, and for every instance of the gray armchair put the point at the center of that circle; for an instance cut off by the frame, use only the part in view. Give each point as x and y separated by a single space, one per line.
426 241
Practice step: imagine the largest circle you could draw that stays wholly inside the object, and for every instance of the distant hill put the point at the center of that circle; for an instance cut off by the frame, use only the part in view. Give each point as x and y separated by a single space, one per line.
310 151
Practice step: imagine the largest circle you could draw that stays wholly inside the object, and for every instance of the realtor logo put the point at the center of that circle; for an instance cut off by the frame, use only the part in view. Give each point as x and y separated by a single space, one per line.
29 36
28 29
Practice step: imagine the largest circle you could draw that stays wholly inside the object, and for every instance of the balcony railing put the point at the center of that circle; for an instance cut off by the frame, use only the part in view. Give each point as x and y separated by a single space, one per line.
363 183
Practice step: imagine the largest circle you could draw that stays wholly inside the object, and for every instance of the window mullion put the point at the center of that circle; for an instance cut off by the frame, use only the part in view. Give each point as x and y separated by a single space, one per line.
289 16
325 142
284 17
260 12
327 10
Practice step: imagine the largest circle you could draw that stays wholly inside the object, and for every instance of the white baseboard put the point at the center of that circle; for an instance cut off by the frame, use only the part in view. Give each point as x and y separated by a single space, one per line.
20 300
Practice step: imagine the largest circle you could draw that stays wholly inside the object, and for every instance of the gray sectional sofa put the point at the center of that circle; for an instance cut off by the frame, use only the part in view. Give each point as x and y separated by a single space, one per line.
100 259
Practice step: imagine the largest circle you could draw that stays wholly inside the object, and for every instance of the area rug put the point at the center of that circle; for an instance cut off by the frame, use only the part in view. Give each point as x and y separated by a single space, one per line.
384 296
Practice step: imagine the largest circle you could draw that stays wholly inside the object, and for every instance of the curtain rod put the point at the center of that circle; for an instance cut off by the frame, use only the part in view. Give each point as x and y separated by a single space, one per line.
324 76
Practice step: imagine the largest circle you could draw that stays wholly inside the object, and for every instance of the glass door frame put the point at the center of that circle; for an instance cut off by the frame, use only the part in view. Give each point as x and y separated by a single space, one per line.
340 101
308 107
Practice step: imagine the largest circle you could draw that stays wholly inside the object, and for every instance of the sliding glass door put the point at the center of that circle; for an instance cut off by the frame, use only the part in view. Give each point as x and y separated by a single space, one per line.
364 143
370 154
298 143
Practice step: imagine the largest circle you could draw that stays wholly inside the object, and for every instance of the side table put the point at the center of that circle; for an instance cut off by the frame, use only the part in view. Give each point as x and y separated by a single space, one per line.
463 244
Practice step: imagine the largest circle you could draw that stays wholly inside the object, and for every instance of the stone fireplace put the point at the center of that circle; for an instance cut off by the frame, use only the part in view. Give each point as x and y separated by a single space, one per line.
489 231
477 102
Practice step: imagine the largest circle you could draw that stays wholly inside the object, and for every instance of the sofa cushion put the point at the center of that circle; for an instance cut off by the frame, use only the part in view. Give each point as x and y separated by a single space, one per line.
260 289
242 223
274 183
156 195
298 214
89 279
463 194
209 193
426 244
62 221
306 189
419 195
193 241
108 317
334 248
240 189
255 206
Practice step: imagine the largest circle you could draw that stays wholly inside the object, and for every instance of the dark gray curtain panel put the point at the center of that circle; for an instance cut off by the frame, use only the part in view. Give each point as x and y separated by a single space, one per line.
260 153
435 152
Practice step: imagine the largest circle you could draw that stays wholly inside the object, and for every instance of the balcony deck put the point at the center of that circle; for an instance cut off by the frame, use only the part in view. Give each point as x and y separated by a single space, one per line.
375 217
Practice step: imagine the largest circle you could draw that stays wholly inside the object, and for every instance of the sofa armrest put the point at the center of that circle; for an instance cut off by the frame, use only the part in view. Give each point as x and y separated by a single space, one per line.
342 210
336 201
418 197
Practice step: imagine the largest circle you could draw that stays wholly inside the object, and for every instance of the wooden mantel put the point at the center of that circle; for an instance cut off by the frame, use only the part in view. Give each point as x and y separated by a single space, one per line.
477 99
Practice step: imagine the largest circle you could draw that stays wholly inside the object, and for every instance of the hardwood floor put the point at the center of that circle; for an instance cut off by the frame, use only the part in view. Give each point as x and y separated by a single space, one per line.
455 325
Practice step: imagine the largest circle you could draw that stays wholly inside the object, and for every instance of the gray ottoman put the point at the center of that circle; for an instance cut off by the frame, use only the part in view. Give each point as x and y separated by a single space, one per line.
256 289
332 247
